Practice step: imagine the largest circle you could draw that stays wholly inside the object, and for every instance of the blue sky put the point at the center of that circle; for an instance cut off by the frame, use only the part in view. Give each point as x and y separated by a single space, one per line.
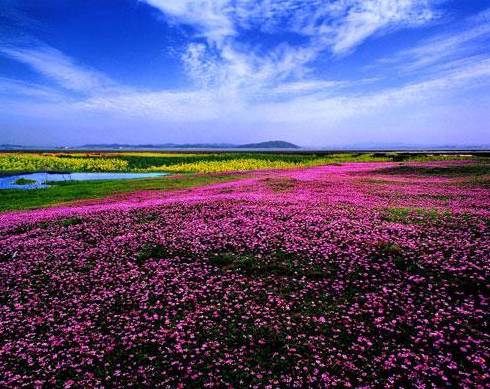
314 72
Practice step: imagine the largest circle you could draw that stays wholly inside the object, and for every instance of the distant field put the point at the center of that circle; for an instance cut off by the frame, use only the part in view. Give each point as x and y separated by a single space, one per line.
195 169
187 162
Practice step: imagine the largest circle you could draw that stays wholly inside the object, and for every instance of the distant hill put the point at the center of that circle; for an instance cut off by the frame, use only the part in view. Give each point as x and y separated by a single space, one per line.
10 147
277 144
273 144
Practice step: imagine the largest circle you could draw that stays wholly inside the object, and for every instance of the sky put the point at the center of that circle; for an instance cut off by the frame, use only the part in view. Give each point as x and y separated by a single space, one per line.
319 73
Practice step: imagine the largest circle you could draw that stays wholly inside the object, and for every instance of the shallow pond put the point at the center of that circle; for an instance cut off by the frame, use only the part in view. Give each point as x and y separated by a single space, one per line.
39 180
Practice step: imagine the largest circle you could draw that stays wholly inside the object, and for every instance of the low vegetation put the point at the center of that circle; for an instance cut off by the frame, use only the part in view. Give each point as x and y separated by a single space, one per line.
24 181
188 162
477 168
60 192
215 165
415 215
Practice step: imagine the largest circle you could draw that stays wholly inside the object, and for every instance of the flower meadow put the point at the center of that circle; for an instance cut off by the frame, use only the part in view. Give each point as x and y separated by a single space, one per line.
357 275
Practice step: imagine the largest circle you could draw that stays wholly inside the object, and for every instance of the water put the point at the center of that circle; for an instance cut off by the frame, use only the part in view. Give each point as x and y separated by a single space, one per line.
41 178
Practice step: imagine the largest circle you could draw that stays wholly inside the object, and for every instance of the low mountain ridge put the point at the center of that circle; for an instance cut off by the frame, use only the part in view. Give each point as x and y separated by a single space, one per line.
275 144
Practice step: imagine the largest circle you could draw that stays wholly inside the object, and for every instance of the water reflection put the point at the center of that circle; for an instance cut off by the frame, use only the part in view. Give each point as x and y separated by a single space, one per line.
39 180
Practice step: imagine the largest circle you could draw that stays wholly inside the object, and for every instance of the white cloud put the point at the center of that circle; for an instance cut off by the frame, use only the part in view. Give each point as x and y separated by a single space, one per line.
307 102
339 26
301 87
22 89
320 108
470 38
210 17
167 106
231 70
362 19
58 67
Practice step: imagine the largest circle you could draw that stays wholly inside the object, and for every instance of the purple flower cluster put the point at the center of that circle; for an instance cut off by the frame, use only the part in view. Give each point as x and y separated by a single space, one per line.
288 279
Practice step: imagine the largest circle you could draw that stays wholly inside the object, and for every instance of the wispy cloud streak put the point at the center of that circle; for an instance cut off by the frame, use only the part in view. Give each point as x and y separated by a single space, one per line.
470 38
58 67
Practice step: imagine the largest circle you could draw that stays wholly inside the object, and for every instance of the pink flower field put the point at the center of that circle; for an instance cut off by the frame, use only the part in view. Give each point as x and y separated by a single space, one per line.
354 275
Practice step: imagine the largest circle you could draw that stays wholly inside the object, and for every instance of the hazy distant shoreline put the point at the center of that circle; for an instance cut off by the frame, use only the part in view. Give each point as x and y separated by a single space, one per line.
269 146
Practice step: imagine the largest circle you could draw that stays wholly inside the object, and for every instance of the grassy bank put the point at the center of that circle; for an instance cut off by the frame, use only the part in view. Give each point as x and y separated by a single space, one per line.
61 192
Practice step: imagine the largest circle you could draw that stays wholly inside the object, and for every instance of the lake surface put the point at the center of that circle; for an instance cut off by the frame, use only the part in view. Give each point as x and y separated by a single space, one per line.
41 179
